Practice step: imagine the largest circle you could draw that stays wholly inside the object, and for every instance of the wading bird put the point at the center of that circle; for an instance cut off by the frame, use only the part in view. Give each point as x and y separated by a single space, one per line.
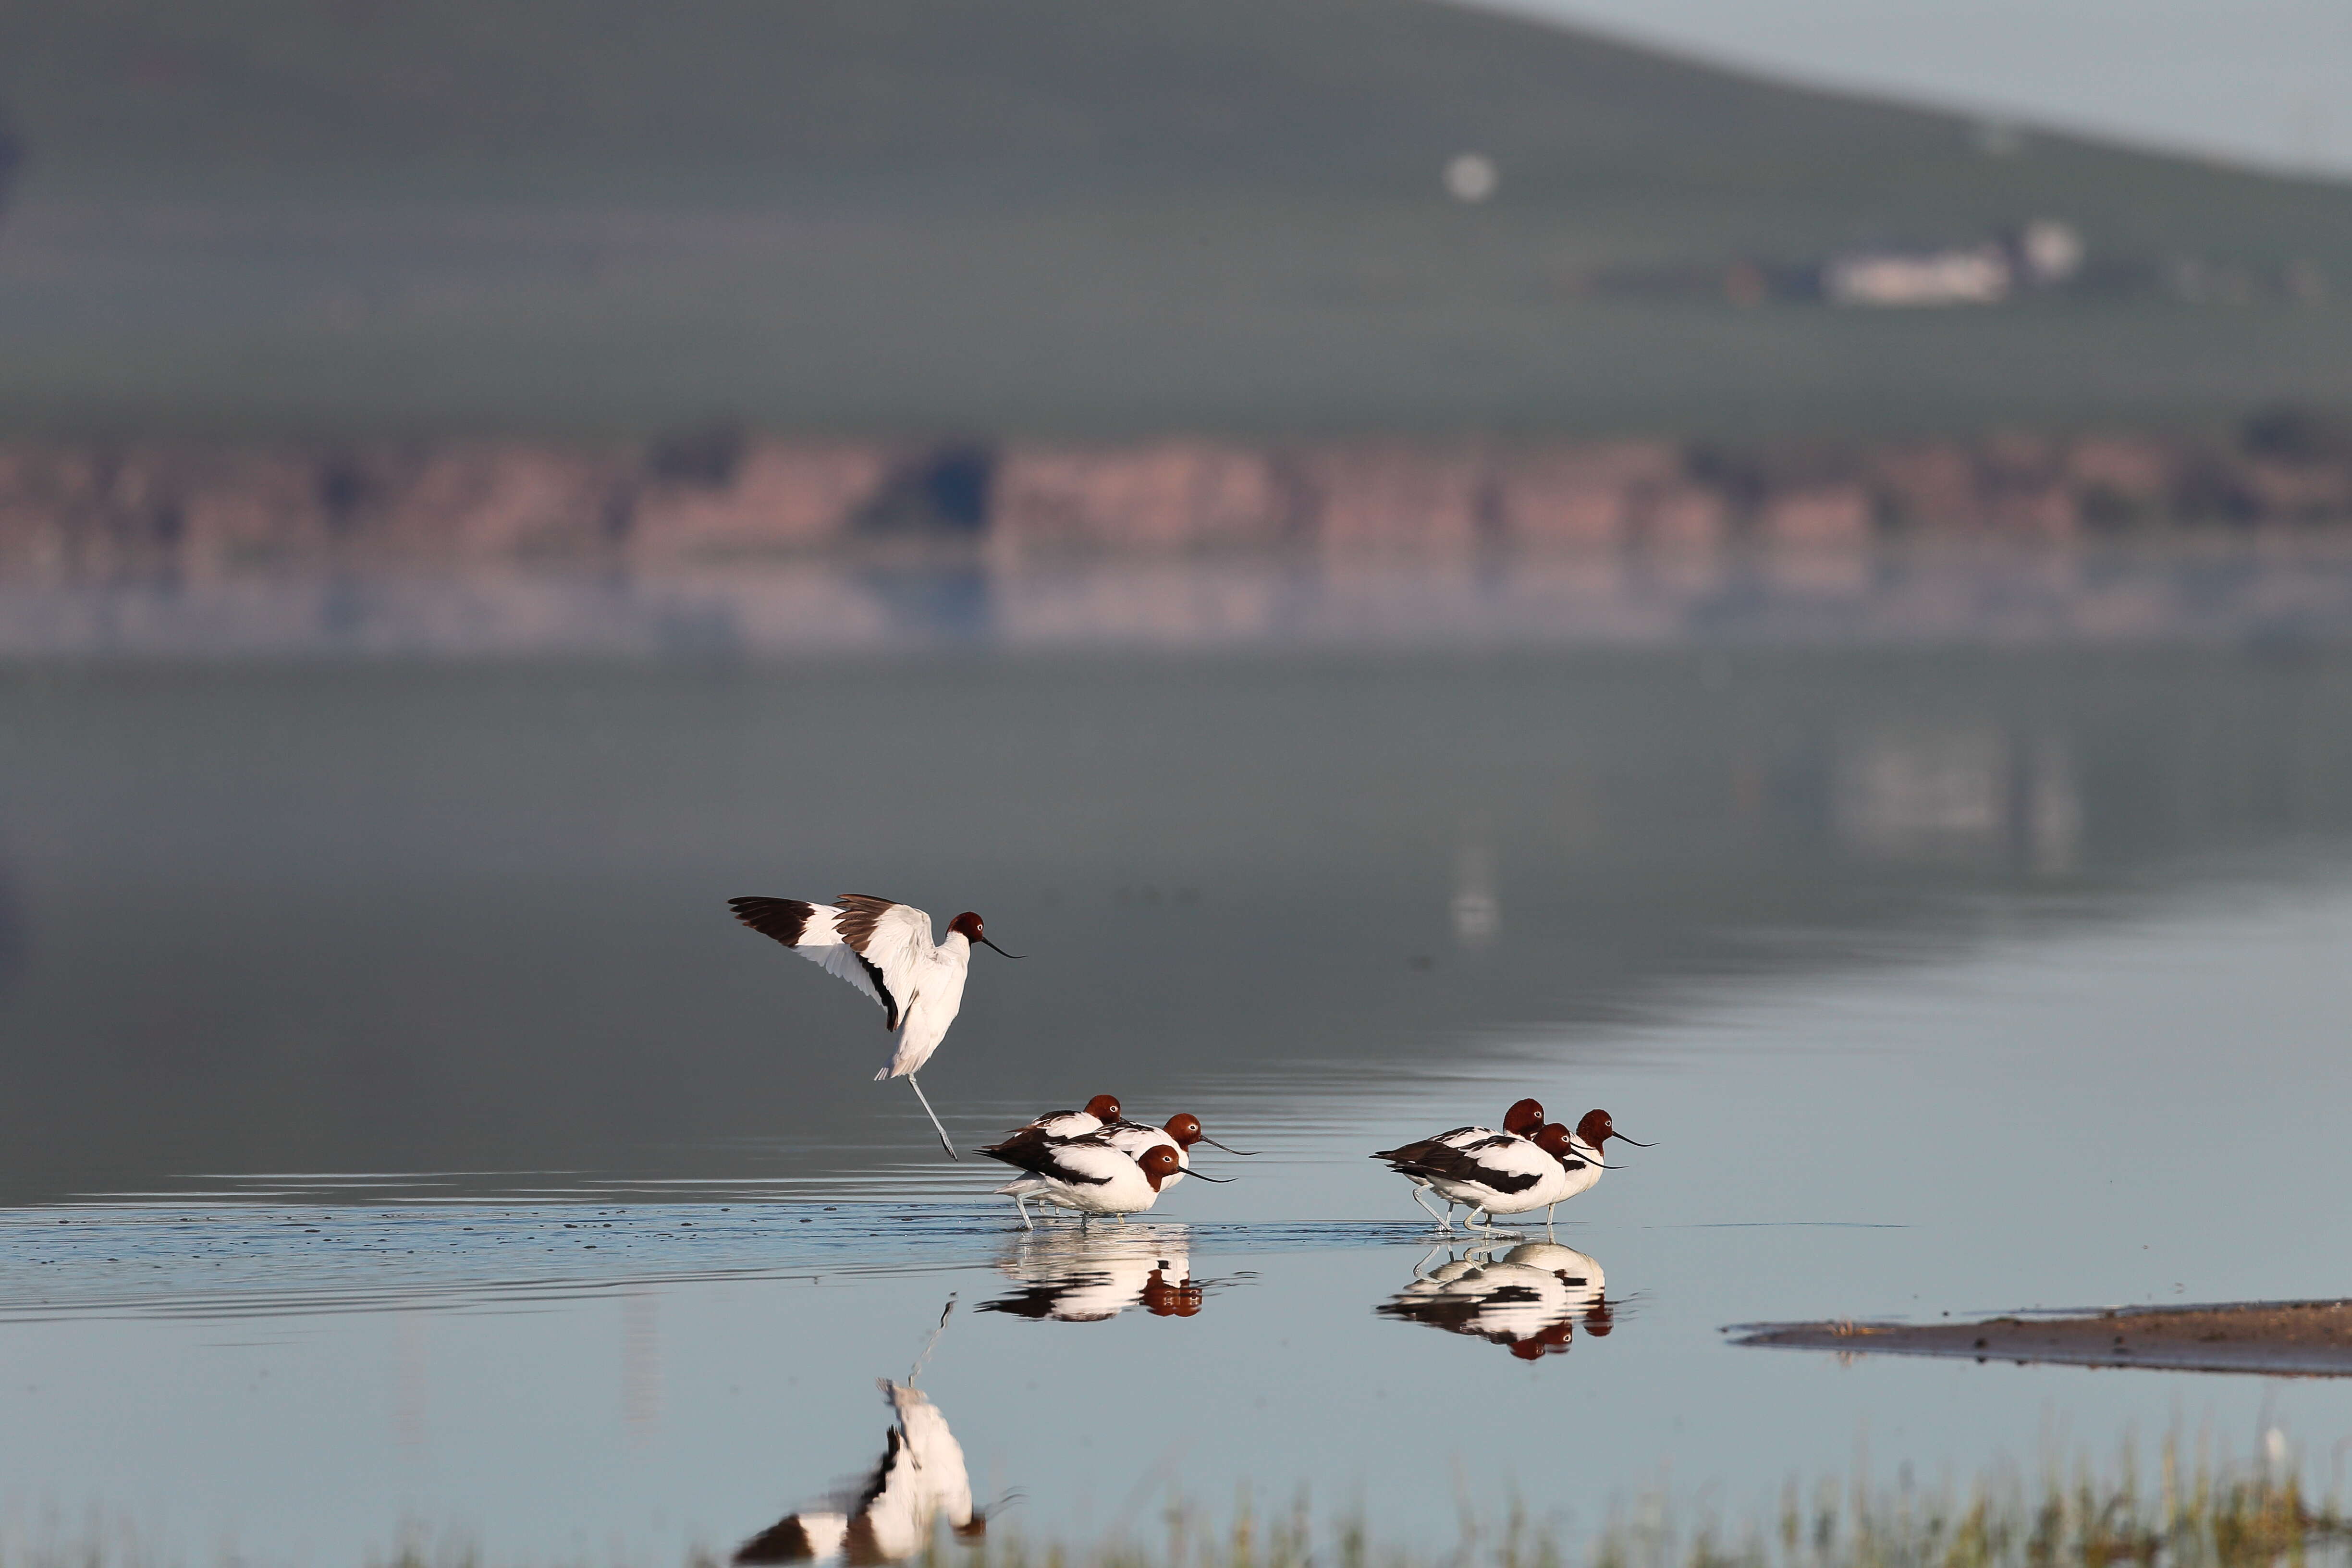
1100 1111
1593 1130
1088 1175
1510 1174
886 950
1183 1130
1522 1119
1130 1138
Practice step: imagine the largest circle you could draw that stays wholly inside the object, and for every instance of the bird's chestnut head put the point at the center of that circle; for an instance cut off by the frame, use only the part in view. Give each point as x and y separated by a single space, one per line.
1158 1163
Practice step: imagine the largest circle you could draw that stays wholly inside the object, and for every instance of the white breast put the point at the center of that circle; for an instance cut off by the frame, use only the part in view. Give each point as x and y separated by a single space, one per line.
1131 1139
939 995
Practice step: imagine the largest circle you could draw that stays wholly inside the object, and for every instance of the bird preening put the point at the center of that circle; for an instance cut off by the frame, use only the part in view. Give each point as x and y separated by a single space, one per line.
884 949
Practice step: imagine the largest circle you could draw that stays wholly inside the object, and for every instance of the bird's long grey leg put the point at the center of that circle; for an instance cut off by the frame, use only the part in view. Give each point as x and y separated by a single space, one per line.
1444 1221
932 1344
934 1116
1022 1203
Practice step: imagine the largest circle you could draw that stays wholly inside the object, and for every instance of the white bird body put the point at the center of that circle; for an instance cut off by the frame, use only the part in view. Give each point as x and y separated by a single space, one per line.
1502 1174
1132 1138
1088 1174
1099 1112
886 950
889 1517
1583 1165
1525 1118
1506 1173
1460 1138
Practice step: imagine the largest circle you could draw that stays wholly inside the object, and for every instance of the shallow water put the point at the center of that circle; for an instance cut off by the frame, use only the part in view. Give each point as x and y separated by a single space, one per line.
399 1134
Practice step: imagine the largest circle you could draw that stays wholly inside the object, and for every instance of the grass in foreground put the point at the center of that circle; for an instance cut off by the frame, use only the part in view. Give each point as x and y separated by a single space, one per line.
2199 1515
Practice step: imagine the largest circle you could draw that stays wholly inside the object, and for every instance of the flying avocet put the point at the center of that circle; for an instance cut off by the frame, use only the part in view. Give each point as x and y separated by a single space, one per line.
884 950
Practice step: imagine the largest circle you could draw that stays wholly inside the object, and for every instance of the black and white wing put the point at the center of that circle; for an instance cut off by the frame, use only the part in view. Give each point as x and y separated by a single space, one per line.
1134 1139
1089 1161
1053 1124
872 944
1504 1163
1459 1138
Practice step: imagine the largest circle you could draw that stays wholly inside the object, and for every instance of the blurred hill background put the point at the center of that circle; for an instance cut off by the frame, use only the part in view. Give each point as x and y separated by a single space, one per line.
1069 217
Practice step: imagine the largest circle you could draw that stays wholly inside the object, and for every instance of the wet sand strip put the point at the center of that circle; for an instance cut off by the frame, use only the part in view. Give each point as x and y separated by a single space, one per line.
2304 1339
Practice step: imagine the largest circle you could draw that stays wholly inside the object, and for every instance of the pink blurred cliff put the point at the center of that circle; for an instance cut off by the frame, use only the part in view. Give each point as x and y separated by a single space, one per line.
95 507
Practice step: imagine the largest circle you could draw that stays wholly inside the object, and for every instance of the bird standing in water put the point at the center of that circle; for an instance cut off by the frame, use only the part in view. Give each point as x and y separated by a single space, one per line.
1506 1174
884 950
1088 1175
1522 1121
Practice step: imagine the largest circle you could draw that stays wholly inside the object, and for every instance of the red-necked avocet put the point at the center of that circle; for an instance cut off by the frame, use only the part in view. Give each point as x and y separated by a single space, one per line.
1509 1175
1522 1119
886 950
1088 1174
1593 1130
1182 1130
1100 1112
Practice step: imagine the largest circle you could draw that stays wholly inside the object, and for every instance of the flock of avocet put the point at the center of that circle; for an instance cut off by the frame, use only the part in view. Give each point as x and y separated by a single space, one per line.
1095 1161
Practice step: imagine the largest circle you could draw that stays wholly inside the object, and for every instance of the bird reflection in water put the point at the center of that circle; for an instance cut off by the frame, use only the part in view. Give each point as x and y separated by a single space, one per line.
1530 1298
890 1514
1078 1278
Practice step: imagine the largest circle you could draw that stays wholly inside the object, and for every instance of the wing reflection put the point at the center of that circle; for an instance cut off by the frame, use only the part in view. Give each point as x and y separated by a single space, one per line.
1072 1276
1530 1298
889 1515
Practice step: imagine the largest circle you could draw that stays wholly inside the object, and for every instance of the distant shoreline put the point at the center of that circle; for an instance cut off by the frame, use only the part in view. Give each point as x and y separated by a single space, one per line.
76 510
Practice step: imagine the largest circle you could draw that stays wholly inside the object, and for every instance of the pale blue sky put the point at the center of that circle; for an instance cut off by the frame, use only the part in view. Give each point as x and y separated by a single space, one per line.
2267 82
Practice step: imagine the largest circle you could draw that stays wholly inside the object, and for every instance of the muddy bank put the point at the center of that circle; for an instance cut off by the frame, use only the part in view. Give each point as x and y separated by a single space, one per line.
2310 1339
717 494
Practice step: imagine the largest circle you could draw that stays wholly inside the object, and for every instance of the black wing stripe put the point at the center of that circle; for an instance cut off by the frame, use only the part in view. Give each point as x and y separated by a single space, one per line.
881 989
1040 1157
1021 1137
1493 1181
1446 1164
783 919
860 913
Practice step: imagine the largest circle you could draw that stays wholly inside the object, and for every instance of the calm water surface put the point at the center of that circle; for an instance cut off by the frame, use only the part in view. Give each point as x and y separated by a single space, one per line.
398 1135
